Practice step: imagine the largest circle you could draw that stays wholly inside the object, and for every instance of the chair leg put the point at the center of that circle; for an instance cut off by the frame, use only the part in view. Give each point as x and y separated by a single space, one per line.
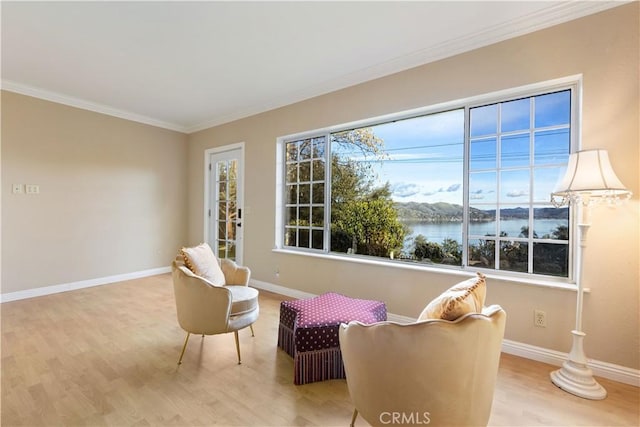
252 334
235 333
184 347
353 418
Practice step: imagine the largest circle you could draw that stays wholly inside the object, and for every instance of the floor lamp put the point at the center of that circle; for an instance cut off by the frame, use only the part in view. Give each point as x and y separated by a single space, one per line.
589 180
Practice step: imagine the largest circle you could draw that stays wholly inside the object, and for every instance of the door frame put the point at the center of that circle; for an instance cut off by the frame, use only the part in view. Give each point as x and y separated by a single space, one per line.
207 191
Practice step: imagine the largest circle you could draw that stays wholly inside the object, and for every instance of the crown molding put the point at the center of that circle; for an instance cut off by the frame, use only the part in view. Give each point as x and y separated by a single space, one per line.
70 101
553 15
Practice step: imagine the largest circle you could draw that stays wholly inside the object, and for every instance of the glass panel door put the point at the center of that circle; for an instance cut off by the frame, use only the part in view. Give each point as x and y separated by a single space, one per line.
225 211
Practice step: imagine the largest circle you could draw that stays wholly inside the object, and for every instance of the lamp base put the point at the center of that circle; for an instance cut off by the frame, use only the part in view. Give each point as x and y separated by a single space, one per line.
575 376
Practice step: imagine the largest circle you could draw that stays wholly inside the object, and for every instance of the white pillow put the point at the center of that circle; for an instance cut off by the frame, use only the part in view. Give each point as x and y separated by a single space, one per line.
462 298
202 262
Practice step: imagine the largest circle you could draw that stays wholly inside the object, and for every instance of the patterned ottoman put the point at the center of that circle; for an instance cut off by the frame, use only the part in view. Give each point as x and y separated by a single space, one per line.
308 332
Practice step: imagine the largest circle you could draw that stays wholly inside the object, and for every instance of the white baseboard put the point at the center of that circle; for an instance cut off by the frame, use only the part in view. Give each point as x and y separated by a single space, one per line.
288 292
601 369
54 289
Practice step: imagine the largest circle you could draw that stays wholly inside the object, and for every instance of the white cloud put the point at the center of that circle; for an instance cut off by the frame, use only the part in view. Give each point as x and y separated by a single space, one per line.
479 194
517 193
453 187
450 189
405 189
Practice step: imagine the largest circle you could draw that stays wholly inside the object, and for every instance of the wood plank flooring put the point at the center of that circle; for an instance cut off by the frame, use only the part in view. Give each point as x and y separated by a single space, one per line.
107 356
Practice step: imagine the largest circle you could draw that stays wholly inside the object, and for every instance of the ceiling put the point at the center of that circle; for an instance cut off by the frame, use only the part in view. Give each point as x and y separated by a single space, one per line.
187 66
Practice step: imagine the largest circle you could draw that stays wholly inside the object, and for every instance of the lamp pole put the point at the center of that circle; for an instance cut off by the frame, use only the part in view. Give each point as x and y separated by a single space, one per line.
575 376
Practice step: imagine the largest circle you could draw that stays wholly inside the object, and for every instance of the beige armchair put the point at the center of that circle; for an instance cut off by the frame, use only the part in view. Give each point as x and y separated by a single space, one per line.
435 372
234 274
206 309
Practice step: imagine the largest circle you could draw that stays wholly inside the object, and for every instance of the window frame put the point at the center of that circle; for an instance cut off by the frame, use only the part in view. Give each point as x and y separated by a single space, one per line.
573 88
571 83
311 182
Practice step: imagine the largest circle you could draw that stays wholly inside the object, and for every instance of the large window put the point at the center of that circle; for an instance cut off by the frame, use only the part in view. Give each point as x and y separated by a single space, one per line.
464 187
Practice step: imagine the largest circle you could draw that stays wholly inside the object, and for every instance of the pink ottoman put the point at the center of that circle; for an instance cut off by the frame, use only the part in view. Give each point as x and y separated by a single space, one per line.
308 332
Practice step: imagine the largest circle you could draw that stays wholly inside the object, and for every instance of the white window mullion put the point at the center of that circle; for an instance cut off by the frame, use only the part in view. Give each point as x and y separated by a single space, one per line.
465 186
531 184
327 193
498 186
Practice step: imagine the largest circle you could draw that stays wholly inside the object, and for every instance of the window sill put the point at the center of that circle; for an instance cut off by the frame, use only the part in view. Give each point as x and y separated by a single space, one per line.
453 271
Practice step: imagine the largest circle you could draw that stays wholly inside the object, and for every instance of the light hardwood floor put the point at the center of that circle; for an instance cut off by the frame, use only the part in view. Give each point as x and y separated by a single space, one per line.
107 356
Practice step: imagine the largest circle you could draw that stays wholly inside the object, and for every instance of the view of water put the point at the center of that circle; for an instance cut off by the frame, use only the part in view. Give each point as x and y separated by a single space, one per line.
437 232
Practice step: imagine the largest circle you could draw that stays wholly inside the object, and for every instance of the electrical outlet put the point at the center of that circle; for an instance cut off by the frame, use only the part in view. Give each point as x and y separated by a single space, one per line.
540 318
17 189
32 189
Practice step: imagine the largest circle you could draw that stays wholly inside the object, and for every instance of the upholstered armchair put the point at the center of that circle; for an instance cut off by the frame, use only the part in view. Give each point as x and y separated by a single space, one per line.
215 299
436 372
234 274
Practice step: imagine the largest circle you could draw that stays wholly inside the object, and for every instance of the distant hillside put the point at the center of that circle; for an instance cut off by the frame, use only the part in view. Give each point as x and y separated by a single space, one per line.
438 212
448 212
521 213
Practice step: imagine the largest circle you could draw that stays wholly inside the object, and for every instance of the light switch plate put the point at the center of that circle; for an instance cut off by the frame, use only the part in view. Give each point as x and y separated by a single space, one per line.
17 189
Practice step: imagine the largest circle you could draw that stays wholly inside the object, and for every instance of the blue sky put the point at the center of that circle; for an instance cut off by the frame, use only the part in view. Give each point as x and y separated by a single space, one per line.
425 155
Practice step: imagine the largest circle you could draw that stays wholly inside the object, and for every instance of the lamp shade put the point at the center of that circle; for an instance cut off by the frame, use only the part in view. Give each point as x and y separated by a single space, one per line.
589 174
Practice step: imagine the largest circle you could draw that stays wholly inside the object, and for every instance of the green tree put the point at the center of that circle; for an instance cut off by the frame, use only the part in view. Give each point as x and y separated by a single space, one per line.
352 175
423 249
419 243
552 259
561 232
363 217
514 256
371 223
448 252
452 252
482 253
524 232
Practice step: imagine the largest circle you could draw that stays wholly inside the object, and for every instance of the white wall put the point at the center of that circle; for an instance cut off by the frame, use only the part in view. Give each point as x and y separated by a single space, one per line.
112 194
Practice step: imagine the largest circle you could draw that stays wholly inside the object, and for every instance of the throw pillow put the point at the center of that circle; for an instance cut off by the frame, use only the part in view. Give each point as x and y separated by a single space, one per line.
462 298
202 262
